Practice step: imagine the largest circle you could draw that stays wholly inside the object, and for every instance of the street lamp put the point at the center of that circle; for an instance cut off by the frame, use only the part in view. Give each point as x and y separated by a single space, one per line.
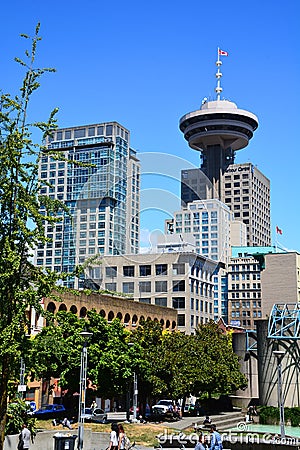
135 390
279 355
82 389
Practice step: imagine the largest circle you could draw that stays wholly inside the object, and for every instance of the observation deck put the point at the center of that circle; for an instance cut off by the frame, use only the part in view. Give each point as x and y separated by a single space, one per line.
218 123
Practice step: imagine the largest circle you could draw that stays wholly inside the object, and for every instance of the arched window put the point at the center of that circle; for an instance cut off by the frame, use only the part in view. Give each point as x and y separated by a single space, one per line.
51 307
173 325
119 315
162 322
73 309
83 312
62 307
126 318
134 319
102 313
167 324
110 316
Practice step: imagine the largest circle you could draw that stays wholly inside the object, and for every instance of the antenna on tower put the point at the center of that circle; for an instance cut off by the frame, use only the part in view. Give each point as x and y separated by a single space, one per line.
219 74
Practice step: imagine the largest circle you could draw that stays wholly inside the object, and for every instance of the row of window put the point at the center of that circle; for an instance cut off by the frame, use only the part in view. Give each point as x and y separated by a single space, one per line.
128 287
145 270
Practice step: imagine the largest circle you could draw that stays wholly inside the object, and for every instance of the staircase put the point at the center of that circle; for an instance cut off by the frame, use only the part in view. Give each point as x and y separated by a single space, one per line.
223 421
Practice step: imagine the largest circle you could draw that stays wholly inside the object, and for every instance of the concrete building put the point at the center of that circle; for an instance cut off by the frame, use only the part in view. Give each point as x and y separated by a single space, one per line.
244 189
280 279
218 130
100 186
179 280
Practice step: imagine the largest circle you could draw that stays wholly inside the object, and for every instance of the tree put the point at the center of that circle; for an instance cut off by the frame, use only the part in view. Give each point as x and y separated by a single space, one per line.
21 224
218 366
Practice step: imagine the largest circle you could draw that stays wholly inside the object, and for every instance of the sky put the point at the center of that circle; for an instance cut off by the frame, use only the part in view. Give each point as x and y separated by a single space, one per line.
146 64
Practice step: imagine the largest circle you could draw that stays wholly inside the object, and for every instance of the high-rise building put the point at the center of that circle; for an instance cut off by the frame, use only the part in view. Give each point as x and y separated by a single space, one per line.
244 189
218 130
206 224
98 179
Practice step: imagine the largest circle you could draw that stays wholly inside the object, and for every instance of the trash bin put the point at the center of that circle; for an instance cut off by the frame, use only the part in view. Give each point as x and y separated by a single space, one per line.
64 442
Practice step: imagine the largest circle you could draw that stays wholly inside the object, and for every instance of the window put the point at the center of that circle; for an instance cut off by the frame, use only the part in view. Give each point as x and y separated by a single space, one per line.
181 320
145 286
178 269
178 302
179 286
145 300
161 269
161 286
111 286
128 271
145 271
111 271
161 301
128 287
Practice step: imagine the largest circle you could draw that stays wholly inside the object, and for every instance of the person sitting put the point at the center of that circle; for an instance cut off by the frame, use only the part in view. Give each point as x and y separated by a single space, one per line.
206 421
66 423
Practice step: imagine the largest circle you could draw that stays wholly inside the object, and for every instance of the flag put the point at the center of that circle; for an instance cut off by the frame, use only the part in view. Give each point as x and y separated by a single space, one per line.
222 53
278 230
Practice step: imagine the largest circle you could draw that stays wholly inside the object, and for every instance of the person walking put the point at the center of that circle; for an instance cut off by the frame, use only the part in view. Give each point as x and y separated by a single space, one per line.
121 444
24 438
114 437
215 439
200 444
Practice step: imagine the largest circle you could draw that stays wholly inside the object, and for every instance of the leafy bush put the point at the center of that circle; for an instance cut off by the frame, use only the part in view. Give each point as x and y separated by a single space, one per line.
270 415
16 416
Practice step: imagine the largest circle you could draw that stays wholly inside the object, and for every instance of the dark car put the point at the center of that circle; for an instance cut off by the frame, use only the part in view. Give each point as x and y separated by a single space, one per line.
51 412
94 415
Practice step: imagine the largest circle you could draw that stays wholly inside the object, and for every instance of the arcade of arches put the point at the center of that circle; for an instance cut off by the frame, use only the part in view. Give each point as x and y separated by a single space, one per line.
129 312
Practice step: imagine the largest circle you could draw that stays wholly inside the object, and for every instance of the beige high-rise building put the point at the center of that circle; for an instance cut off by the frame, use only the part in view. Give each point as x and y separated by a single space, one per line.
280 280
244 189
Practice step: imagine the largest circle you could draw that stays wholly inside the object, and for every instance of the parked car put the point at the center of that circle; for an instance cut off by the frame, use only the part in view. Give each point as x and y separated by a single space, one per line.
51 412
95 415
163 406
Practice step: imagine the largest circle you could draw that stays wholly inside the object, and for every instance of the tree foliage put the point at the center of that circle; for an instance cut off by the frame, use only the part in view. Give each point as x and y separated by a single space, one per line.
22 285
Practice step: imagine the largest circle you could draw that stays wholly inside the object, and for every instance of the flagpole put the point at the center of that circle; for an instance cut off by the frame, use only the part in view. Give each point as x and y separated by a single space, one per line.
218 75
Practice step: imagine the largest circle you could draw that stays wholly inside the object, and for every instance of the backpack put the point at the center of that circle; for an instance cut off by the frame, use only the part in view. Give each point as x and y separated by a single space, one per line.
127 443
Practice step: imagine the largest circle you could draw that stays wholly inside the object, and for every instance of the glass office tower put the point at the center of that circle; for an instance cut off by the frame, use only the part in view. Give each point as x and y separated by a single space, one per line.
97 177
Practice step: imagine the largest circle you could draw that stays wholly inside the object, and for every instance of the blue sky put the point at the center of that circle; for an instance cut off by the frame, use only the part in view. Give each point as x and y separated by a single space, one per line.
146 64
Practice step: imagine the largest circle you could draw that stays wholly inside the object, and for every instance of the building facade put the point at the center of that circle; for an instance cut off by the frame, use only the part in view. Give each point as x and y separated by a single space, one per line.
97 178
179 280
245 190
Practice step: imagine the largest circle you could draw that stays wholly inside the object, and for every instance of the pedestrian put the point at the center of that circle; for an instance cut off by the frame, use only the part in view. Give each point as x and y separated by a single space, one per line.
200 444
114 437
24 438
93 405
121 443
215 439
207 421
66 423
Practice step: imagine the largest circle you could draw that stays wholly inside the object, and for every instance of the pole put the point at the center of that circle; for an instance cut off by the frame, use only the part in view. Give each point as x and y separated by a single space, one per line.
279 355
135 393
280 399
82 389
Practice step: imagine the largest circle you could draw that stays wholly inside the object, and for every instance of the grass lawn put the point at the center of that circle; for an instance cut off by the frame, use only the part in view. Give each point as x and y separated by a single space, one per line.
142 434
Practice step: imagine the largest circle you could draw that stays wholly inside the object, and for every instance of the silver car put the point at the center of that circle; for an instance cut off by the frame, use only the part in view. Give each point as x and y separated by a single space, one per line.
95 415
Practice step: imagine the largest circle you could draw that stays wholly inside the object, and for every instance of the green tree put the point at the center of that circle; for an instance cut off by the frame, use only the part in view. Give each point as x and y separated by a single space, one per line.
218 366
21 225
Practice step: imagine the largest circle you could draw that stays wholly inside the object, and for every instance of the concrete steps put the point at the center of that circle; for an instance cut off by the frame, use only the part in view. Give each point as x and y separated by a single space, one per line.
223 421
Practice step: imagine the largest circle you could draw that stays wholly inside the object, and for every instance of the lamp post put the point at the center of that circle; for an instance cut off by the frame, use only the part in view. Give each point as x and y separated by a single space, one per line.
279 355
82 389
135 391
